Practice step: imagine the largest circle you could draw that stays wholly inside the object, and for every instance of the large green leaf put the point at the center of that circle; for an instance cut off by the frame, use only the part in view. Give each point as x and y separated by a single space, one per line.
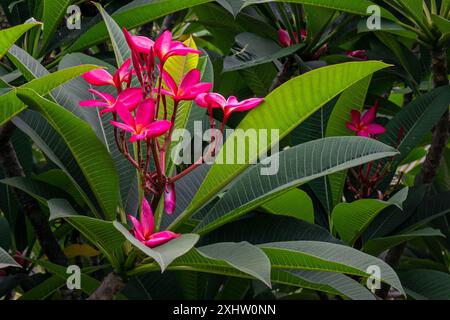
101 233
164 254
297 165
11 105
119 43
351 219
9 36
53 14
90 154
378 245
284 109
132 15
315 280
312 255
243 256
423 284
6 260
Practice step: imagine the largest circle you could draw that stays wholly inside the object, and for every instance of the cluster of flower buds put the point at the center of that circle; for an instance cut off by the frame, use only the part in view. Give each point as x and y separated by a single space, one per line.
285 38
141 111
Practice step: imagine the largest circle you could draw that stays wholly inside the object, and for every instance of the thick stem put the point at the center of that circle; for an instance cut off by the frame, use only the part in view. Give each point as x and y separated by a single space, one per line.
110 286
29 206
441 131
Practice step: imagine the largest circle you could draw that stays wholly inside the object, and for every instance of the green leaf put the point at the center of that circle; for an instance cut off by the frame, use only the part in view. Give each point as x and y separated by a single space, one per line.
312 255
428 210
9 36
442 23
133 15
101 233
295 203
252 50
88 284
44 290
330 282
356 7
351 99
6 260
119 43
426 284
297 165
415 120
166 253
351 219
298 99
11 105
53 14
90 154
242 256
378 245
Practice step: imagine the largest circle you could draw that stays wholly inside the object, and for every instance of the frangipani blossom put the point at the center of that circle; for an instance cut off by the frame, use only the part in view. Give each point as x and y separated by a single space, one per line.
170 199
143 125
143 229
129 97
164 48
101 77
190 87
365 125
139 44
229 106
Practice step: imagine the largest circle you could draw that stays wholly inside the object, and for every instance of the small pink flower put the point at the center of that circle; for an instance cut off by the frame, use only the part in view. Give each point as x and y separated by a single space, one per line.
170 199
130 97
189 88
165 48
143 229
229 106
143 125
365 125
139 44
101 77
359 54
285 39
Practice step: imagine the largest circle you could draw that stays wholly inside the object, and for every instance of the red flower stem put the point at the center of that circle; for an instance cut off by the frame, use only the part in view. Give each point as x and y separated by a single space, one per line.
116 138
159 172
158 96
168 137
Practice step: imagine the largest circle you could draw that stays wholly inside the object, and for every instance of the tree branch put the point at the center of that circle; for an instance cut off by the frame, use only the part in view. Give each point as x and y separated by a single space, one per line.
110 286
28 205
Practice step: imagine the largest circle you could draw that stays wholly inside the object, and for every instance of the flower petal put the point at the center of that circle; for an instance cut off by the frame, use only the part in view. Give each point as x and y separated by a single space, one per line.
122 126
375 128
160 238
162 45
190 79
130 97
351 126
363 133
145 113
158 128
137 228
125 114
170 83
110 99
284 38
99 77
356 117
123 71
249 104
93 103
147 219
369 116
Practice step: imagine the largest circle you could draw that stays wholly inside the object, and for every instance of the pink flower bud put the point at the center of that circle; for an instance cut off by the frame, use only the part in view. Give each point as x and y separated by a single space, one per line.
170 199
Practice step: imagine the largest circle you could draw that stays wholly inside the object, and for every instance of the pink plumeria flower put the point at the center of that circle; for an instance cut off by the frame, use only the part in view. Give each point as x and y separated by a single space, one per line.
365 125
359 54
190 87
229 106
101 77
139 44
143 125
285 39
165 48
130 97
144 230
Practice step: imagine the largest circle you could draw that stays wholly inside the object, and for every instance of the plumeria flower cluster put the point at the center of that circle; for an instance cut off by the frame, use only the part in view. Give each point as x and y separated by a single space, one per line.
285 39
364 180
143 117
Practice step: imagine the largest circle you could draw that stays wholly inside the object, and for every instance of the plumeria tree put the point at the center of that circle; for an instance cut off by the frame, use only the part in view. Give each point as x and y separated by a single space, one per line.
314 147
